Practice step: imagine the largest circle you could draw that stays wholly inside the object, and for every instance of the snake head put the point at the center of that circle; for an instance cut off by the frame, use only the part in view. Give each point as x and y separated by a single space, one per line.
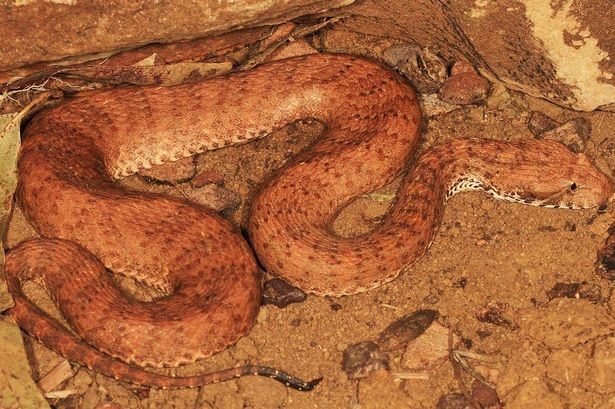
563 178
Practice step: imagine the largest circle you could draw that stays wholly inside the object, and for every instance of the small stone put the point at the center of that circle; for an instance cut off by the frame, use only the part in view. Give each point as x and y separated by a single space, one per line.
485 395
363 358
429 350
397 335
170 173
539 123
215 197
482 243
465 86
453 401
493 313
281 294
573 134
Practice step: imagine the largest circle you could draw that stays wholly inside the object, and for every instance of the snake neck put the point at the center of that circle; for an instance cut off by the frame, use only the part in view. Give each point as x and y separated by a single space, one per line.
462 165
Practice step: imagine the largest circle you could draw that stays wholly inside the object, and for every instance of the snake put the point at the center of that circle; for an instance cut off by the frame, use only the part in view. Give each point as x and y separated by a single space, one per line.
73 154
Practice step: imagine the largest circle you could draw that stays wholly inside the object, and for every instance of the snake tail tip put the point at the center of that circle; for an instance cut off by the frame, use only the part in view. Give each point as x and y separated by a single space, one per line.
312 384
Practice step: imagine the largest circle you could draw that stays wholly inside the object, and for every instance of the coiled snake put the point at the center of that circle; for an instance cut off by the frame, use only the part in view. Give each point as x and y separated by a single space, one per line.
72 153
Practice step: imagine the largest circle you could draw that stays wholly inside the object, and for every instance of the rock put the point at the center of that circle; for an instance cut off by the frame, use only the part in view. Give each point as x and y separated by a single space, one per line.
361 359
126 24
429 350
573 134
397 335
465 86
531 392
170 173
281 294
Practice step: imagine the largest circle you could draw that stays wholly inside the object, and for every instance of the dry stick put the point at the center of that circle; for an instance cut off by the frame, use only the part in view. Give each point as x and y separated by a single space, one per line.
260 55
56 376
458 372
40 98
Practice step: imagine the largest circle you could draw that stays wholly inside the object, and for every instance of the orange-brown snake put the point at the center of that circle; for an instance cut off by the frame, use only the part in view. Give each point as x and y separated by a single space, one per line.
72 154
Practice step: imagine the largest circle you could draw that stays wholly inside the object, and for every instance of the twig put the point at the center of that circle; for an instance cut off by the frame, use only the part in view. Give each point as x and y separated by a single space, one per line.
40 98
56 376
457 369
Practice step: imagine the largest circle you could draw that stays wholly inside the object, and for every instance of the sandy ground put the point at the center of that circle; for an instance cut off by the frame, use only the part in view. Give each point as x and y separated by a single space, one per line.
558 352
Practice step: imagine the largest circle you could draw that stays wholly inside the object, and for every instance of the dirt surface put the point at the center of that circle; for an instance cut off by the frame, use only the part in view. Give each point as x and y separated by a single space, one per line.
556 351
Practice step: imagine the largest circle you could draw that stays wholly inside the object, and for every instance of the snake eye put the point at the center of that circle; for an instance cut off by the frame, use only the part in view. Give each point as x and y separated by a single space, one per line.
573 186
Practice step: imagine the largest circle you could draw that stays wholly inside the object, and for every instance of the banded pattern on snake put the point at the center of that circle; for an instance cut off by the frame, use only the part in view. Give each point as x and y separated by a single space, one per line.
72 153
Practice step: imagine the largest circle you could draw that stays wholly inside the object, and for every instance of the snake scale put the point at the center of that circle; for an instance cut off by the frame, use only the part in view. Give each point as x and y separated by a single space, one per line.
73 153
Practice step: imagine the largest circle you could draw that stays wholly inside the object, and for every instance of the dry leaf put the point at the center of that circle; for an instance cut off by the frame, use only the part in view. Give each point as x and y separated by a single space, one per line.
17 389
9 148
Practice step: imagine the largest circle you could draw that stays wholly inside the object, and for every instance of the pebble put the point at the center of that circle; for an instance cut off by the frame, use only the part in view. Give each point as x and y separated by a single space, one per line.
465 86
281 294
363 358
397 335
